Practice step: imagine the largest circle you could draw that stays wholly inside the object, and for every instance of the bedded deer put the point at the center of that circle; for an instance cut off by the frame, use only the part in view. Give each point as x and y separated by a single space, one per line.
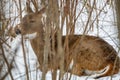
88 55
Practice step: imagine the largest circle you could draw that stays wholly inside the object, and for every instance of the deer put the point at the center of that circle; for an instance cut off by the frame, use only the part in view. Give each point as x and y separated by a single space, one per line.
91 56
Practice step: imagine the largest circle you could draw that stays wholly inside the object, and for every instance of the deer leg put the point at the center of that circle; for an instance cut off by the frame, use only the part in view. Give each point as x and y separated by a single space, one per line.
75 69
107 71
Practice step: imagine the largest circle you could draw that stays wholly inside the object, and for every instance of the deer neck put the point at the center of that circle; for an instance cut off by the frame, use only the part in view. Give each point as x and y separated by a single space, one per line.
37 39
37 44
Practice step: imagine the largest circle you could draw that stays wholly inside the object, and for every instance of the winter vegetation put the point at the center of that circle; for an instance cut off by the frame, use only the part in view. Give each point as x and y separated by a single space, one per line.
46 39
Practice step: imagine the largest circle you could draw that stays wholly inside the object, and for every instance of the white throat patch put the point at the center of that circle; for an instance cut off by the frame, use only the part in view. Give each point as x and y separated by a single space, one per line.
30 36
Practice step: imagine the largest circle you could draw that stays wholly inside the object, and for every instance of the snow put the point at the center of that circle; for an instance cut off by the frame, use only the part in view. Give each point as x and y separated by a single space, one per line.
107 31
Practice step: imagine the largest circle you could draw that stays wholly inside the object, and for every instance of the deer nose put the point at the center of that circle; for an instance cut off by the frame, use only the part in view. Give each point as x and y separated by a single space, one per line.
17 31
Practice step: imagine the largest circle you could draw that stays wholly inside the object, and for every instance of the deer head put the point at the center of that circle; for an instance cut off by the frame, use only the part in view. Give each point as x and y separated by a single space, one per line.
32 22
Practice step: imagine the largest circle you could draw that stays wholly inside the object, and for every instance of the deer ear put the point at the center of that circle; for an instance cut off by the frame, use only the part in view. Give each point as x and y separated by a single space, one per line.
42 10
28 8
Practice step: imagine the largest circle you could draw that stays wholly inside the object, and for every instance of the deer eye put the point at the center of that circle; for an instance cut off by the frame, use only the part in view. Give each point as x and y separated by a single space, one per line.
32 21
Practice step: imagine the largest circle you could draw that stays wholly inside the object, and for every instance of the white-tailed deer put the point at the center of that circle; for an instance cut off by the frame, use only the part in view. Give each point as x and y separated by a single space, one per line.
88 55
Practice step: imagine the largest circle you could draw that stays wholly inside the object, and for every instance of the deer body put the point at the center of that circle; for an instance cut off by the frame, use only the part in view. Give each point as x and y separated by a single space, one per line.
87 54
92 53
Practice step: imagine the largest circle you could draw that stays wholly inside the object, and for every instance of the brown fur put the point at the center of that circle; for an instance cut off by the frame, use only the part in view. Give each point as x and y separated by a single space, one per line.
87 52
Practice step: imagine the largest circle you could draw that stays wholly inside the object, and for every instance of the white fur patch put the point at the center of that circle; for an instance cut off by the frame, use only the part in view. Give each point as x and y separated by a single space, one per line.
99 73
30 36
